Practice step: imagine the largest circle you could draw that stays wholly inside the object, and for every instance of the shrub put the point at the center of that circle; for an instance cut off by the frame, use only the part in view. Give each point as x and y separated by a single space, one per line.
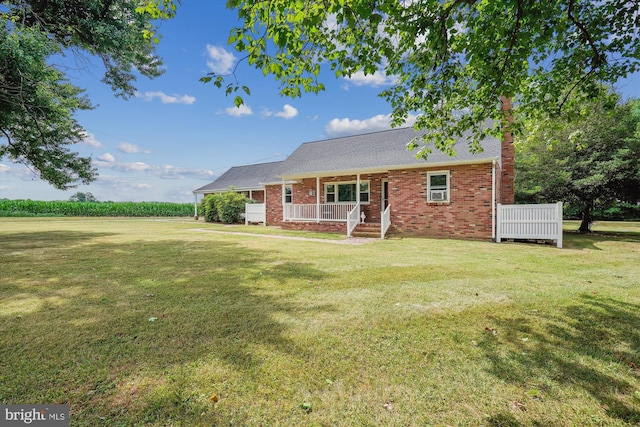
231 206
223 207
210 208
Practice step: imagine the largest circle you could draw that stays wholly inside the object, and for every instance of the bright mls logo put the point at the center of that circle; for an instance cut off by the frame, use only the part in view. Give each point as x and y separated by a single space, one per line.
34 415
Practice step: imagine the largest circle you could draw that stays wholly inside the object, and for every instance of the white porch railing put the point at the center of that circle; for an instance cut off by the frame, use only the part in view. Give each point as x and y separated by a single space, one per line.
385 223
542 222
353 219
255 212
309 212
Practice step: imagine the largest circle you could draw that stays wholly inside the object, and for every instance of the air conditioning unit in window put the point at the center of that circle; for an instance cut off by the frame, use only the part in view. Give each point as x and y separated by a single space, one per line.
438 195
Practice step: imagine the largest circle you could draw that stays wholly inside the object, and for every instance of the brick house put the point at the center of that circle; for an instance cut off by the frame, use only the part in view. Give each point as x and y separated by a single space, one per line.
371 183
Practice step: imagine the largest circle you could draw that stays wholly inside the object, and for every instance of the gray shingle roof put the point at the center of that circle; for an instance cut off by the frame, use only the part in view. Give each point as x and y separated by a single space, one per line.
244 178
375 151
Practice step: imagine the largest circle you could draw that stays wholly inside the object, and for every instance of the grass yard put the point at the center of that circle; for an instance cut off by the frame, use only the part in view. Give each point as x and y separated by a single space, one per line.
150 322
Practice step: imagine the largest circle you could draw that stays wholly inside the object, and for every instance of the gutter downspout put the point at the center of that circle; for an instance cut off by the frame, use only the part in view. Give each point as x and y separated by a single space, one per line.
493 201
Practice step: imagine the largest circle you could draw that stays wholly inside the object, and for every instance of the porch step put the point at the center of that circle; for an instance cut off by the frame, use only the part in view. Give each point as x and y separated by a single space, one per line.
369 229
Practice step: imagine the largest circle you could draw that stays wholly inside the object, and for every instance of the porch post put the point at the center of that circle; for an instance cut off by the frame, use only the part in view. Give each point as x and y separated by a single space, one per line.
195 206
284 189
251 194
358 189
317 199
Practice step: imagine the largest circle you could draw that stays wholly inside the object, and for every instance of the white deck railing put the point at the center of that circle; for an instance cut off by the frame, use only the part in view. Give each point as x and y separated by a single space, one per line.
353 219
542 222
385 223
255 212
310 212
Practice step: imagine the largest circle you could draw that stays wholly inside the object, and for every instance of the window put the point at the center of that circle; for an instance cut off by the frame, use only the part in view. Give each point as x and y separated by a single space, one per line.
438 186
345 192
288 194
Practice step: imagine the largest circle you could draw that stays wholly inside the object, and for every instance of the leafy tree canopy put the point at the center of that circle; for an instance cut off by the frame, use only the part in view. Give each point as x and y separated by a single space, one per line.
37 102
590 162
82 197
450 61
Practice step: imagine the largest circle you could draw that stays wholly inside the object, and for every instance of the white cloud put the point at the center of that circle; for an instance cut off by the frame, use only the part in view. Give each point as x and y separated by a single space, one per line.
141 185
90 140
107 157
376 79
167 99
288 112
243 110
346 126
129 148
173 172
220 61
19 171
163 171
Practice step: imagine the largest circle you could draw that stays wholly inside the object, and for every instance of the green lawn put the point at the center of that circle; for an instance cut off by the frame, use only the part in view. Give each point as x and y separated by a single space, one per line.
148 322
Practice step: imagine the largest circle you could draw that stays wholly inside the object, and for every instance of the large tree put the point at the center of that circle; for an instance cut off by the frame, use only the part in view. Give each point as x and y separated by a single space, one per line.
37 102
589 161
450 61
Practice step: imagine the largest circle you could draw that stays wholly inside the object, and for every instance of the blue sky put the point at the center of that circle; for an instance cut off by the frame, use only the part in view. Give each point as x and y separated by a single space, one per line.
179 134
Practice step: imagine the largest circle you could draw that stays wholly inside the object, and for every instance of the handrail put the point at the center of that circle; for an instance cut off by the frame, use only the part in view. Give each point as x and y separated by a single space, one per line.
386 221
353 218
309 212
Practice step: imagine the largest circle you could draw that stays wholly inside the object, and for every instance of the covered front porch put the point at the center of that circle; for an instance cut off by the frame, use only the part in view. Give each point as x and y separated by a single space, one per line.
330 201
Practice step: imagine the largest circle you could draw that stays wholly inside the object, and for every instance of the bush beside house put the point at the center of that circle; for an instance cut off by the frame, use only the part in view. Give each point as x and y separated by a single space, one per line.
224 207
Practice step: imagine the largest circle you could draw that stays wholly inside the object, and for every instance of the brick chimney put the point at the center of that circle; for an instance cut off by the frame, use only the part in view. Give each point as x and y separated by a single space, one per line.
507 169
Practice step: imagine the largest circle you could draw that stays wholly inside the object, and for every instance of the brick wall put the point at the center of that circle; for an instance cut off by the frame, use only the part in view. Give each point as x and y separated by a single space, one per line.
466 215
323 227
273 196
258 196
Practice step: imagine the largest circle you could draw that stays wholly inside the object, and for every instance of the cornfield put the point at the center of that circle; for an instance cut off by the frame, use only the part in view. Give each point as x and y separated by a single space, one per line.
20 208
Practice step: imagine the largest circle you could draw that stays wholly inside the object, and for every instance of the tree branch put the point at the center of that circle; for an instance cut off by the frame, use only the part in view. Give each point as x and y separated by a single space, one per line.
597 58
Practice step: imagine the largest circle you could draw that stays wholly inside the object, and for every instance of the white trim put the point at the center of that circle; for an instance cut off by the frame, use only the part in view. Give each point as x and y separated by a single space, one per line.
445 194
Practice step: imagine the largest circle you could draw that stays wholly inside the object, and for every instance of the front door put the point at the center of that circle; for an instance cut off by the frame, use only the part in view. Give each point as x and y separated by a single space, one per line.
385 194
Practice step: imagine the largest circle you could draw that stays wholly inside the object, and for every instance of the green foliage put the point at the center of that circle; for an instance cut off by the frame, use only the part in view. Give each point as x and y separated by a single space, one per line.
28 208
37 102
224 207
616 211
210 208
448 61
230 206
37 106
591 162
82 197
